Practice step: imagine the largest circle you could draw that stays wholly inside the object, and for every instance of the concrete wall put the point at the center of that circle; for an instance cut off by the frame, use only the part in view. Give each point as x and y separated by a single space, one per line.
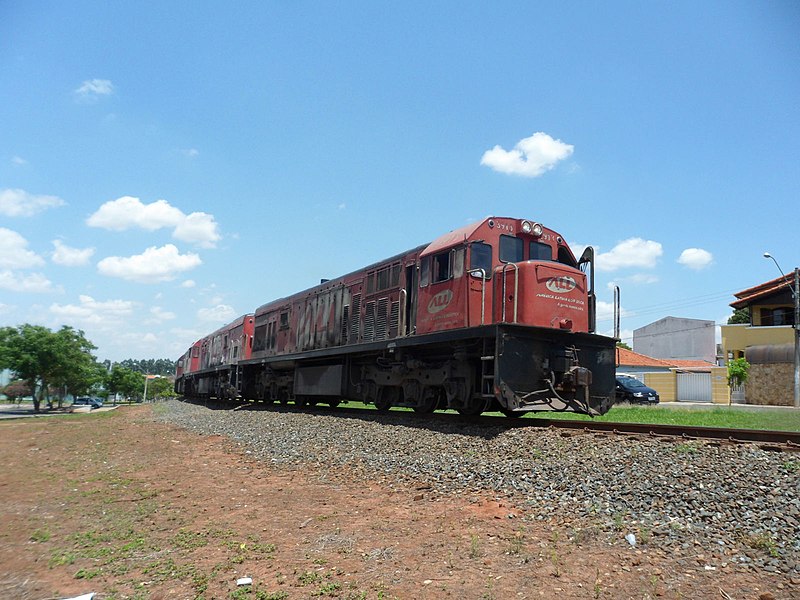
673 337
666 384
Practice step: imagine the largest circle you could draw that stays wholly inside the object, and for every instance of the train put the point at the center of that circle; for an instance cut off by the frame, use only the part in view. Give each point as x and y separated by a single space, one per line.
497 315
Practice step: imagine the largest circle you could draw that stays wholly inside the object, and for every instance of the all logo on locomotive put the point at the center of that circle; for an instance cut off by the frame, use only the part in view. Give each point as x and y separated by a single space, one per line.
497 315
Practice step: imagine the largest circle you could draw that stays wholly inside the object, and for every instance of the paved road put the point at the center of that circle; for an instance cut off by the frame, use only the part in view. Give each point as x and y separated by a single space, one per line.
16 411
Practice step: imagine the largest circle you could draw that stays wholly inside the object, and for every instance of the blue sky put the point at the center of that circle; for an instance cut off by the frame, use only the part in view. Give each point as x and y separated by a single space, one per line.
166 167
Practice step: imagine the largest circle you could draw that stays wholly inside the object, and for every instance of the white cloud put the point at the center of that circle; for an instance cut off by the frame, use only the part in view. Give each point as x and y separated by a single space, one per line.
91 312
159 315
154 265
19 203
18 161
14 253
189 283
128 212
633 252
696 258
35 283
221 313
92 89
531 157
198 228
191 152
67 256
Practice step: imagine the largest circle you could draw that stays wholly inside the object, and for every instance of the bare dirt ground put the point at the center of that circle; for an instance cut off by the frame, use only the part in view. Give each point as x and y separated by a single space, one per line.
119 505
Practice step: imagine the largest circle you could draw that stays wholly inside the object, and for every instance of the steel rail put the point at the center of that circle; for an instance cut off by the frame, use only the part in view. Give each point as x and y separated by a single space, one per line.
791 438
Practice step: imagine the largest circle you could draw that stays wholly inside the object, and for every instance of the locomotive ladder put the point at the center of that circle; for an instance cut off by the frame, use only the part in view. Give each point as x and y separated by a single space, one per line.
487 370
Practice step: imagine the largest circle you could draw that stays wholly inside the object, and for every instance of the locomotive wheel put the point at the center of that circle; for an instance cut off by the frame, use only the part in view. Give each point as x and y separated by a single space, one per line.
334 403
300 401
474 407
429 403
387 396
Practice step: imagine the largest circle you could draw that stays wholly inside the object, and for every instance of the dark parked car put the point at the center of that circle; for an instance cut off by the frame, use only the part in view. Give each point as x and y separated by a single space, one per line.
84 400
630 389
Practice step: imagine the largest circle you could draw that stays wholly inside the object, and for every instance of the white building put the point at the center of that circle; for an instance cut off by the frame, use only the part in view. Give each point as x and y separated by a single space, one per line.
673 338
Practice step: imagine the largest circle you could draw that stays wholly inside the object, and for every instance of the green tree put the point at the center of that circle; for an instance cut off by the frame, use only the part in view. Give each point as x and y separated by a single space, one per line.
160 388
623 345
150 366
740 316
43 358
78 371
738 371
124 381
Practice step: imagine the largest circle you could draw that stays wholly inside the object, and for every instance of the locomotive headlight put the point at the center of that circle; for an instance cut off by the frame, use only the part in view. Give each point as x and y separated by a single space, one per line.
526 226
537 229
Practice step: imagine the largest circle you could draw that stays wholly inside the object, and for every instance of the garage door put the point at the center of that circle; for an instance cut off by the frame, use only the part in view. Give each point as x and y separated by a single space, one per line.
694 387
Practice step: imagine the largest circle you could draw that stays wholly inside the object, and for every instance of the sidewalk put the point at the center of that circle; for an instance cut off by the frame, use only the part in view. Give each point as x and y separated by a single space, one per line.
712 405
17 411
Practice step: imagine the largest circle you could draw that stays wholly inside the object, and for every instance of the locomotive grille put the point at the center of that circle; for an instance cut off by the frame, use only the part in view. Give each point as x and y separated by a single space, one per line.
369 322
381 321
345 322
394 316
355 322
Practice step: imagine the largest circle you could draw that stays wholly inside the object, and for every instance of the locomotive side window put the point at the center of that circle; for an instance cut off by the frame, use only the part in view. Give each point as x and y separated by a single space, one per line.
458 262
442 267
565 258
285 319
395 274
480 257
511 249
260 338
540 251
383 279
424 271
371 283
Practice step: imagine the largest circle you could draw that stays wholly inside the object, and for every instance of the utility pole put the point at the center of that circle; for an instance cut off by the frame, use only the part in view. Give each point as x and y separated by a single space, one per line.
796 294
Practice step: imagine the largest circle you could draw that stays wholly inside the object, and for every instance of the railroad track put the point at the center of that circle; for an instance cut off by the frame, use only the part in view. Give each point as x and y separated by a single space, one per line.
785 441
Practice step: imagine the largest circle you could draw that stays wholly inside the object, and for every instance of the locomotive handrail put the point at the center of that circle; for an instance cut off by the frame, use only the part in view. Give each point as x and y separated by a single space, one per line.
401 314
516 288
482 273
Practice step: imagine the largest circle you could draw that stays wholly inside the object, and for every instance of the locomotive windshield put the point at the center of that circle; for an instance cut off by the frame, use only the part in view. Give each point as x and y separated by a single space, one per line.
512 250
480 258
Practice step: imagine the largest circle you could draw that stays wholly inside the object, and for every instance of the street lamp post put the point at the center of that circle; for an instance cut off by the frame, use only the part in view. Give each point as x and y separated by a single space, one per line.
795 289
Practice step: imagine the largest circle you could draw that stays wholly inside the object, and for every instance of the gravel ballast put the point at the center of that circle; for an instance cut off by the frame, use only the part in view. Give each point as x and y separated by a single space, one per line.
713 503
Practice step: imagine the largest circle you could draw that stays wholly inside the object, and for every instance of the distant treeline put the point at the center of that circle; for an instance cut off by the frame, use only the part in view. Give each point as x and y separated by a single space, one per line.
150 366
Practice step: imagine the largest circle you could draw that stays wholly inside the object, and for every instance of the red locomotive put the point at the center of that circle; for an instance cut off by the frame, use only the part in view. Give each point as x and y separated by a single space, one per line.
497 315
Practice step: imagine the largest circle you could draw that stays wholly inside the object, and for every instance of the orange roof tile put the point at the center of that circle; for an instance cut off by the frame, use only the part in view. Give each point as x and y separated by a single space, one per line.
629 358
746 297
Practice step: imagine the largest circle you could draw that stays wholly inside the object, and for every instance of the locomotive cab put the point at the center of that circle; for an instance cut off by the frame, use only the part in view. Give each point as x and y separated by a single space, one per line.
524 282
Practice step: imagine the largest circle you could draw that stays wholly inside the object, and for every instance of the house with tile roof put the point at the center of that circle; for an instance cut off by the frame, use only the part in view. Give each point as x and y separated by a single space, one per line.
766 342
676 379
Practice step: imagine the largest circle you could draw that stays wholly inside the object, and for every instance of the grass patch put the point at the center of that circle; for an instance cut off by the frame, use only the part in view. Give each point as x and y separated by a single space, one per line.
775 419
717 416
